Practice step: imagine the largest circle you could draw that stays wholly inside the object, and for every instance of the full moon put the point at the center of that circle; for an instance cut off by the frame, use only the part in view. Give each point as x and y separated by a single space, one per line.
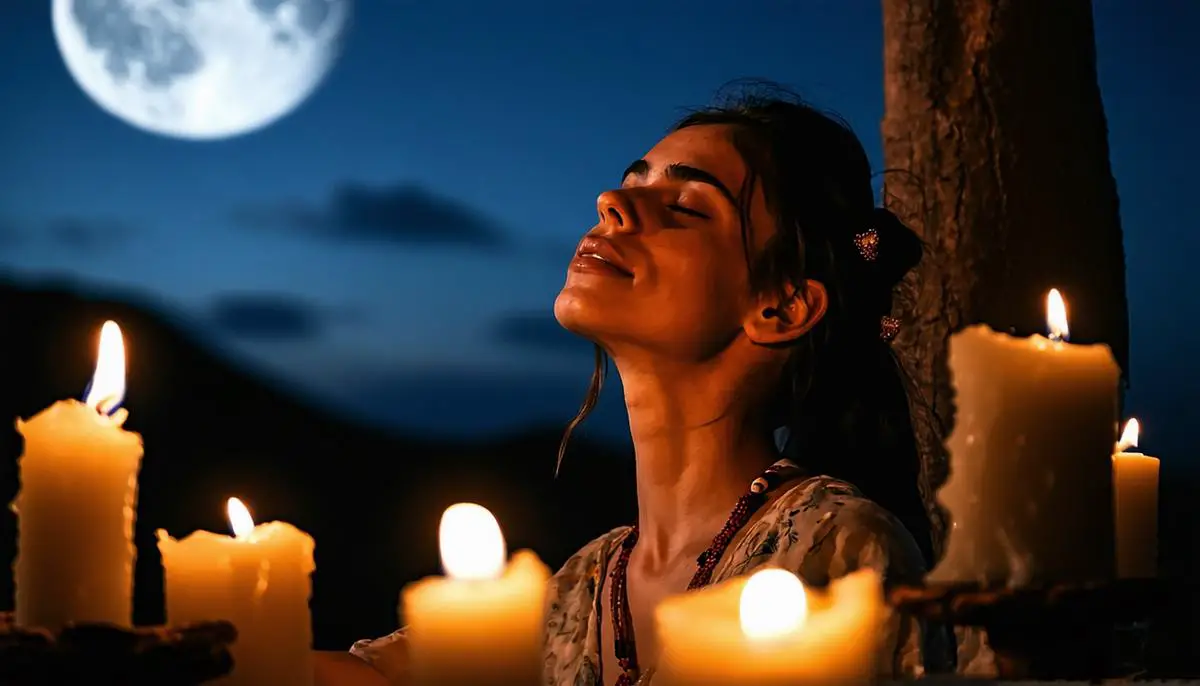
199 69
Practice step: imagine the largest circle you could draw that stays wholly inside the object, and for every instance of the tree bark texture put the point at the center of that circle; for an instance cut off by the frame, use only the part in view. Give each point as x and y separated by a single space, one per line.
996 146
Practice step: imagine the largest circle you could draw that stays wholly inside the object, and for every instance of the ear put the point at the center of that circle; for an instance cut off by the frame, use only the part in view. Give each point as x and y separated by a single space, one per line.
776 321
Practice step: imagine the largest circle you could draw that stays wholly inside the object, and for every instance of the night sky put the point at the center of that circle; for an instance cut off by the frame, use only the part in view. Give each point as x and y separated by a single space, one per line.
394 246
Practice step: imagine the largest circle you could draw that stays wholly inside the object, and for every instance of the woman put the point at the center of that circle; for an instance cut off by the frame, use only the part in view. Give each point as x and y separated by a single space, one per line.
741 280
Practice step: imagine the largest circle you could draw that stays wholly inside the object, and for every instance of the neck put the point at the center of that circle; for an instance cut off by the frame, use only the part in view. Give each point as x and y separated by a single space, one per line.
698 448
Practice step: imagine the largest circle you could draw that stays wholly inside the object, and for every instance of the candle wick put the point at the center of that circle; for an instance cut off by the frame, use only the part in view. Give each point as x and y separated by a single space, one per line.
1057 337
107 406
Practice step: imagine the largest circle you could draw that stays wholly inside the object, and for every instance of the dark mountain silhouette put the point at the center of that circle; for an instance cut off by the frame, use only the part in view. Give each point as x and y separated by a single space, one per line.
371 500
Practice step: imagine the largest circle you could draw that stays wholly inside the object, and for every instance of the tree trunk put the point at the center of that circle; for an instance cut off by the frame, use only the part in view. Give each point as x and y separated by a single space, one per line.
995 138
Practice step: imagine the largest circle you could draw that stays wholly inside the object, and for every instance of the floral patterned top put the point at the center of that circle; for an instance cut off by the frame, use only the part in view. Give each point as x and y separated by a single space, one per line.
820 528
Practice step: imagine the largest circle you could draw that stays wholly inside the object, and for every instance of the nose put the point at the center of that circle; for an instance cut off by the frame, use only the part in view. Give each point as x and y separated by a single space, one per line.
617 213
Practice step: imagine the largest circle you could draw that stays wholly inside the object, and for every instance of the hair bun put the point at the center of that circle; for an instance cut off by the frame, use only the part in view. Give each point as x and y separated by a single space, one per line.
899 250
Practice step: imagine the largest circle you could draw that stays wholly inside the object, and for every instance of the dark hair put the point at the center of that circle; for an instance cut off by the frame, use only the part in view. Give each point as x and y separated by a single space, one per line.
843 397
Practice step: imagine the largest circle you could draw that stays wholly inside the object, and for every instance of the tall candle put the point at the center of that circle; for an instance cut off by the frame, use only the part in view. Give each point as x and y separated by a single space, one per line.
768 629
483 624
260 580
1135 486
1030 491
75 507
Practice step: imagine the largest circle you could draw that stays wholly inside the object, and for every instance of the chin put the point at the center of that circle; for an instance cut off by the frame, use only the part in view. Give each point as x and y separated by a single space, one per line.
583 314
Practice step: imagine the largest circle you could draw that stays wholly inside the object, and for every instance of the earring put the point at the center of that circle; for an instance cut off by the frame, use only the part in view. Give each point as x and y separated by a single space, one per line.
772 312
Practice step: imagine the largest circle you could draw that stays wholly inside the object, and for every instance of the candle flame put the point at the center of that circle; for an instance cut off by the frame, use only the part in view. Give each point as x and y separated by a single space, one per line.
107 389
239 518
471 542
1129 437
773 604
1056 316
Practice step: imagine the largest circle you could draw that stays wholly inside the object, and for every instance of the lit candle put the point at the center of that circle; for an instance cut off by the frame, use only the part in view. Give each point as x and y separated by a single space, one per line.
76 503
1030 491
1135 486
484 624
769 629
260 580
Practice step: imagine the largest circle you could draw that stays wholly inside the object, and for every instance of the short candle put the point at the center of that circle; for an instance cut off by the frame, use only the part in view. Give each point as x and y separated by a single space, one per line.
1135 489
769 629
259 579
482 624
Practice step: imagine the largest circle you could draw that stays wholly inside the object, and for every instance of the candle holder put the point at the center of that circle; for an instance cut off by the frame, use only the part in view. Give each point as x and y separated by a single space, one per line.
1064 631
107 655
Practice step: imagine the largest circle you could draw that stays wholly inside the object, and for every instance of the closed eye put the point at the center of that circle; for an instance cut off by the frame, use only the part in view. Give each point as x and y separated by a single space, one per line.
687 210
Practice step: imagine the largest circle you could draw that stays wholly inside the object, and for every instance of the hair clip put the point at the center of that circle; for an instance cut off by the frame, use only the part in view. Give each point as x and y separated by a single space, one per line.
868 244
889 326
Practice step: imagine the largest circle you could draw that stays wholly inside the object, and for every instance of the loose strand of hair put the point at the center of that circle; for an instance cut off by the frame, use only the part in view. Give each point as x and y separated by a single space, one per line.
599 373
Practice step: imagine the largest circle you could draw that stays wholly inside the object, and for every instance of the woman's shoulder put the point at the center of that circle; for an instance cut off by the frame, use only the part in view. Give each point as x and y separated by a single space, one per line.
584 564
825 527
818 498
571 596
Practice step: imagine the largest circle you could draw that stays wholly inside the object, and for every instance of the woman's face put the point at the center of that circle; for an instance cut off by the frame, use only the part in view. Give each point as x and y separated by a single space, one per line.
665 268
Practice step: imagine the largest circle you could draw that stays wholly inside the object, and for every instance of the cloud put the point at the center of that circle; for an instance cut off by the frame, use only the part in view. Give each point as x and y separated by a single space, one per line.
86 235
403 214
78 234
269 317
539 331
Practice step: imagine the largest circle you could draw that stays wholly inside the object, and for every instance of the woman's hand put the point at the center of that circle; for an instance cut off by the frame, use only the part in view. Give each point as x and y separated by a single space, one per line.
339 668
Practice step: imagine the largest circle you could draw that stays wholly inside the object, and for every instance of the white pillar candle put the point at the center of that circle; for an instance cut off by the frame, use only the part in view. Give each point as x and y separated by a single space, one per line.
1135 486
770 630
260 580
1030 490
76 504
483 624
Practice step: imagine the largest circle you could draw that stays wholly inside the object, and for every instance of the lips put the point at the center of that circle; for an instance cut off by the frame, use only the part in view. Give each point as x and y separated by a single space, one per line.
598 252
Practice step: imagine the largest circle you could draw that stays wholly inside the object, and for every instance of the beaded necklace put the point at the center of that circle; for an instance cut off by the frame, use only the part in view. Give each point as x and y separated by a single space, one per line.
622 617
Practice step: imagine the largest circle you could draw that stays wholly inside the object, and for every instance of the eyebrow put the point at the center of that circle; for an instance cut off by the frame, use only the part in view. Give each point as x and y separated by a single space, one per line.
682 172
